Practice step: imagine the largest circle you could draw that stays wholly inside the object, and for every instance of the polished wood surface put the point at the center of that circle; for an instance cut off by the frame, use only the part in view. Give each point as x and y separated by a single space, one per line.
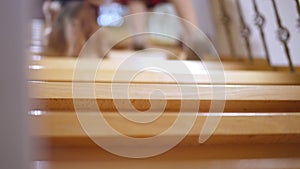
287 163
231 77
247 98
234 128
116 57
259 129
203 72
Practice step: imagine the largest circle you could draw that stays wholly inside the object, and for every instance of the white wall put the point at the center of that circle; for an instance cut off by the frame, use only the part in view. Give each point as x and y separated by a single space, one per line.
287 10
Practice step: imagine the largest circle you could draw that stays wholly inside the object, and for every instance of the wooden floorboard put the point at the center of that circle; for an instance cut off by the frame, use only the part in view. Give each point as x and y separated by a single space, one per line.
242 98
287 163
151 76
140 61
64 129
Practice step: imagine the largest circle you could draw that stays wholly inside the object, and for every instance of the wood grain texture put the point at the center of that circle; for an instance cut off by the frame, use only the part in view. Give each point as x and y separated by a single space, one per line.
140 61
150 76
284 163
144 68
264 128
243 98
241 141
250 156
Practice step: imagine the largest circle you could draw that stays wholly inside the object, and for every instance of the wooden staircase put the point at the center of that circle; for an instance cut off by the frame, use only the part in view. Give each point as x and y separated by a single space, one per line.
259 127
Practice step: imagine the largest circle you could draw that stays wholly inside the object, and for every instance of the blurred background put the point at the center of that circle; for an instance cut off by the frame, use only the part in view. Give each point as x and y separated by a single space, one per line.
212 21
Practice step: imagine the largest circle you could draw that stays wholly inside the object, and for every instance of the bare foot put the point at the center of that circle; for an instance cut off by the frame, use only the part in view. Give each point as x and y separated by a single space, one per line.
139 42
197 47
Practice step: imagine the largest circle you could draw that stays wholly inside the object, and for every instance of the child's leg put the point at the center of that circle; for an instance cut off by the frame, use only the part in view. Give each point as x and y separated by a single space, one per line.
74 37
186 11
137 23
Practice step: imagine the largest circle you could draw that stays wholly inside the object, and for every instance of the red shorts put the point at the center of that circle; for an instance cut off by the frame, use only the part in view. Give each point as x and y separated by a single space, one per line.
149 3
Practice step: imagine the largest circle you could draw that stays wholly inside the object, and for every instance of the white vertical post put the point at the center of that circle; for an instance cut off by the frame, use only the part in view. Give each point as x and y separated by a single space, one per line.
14 139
